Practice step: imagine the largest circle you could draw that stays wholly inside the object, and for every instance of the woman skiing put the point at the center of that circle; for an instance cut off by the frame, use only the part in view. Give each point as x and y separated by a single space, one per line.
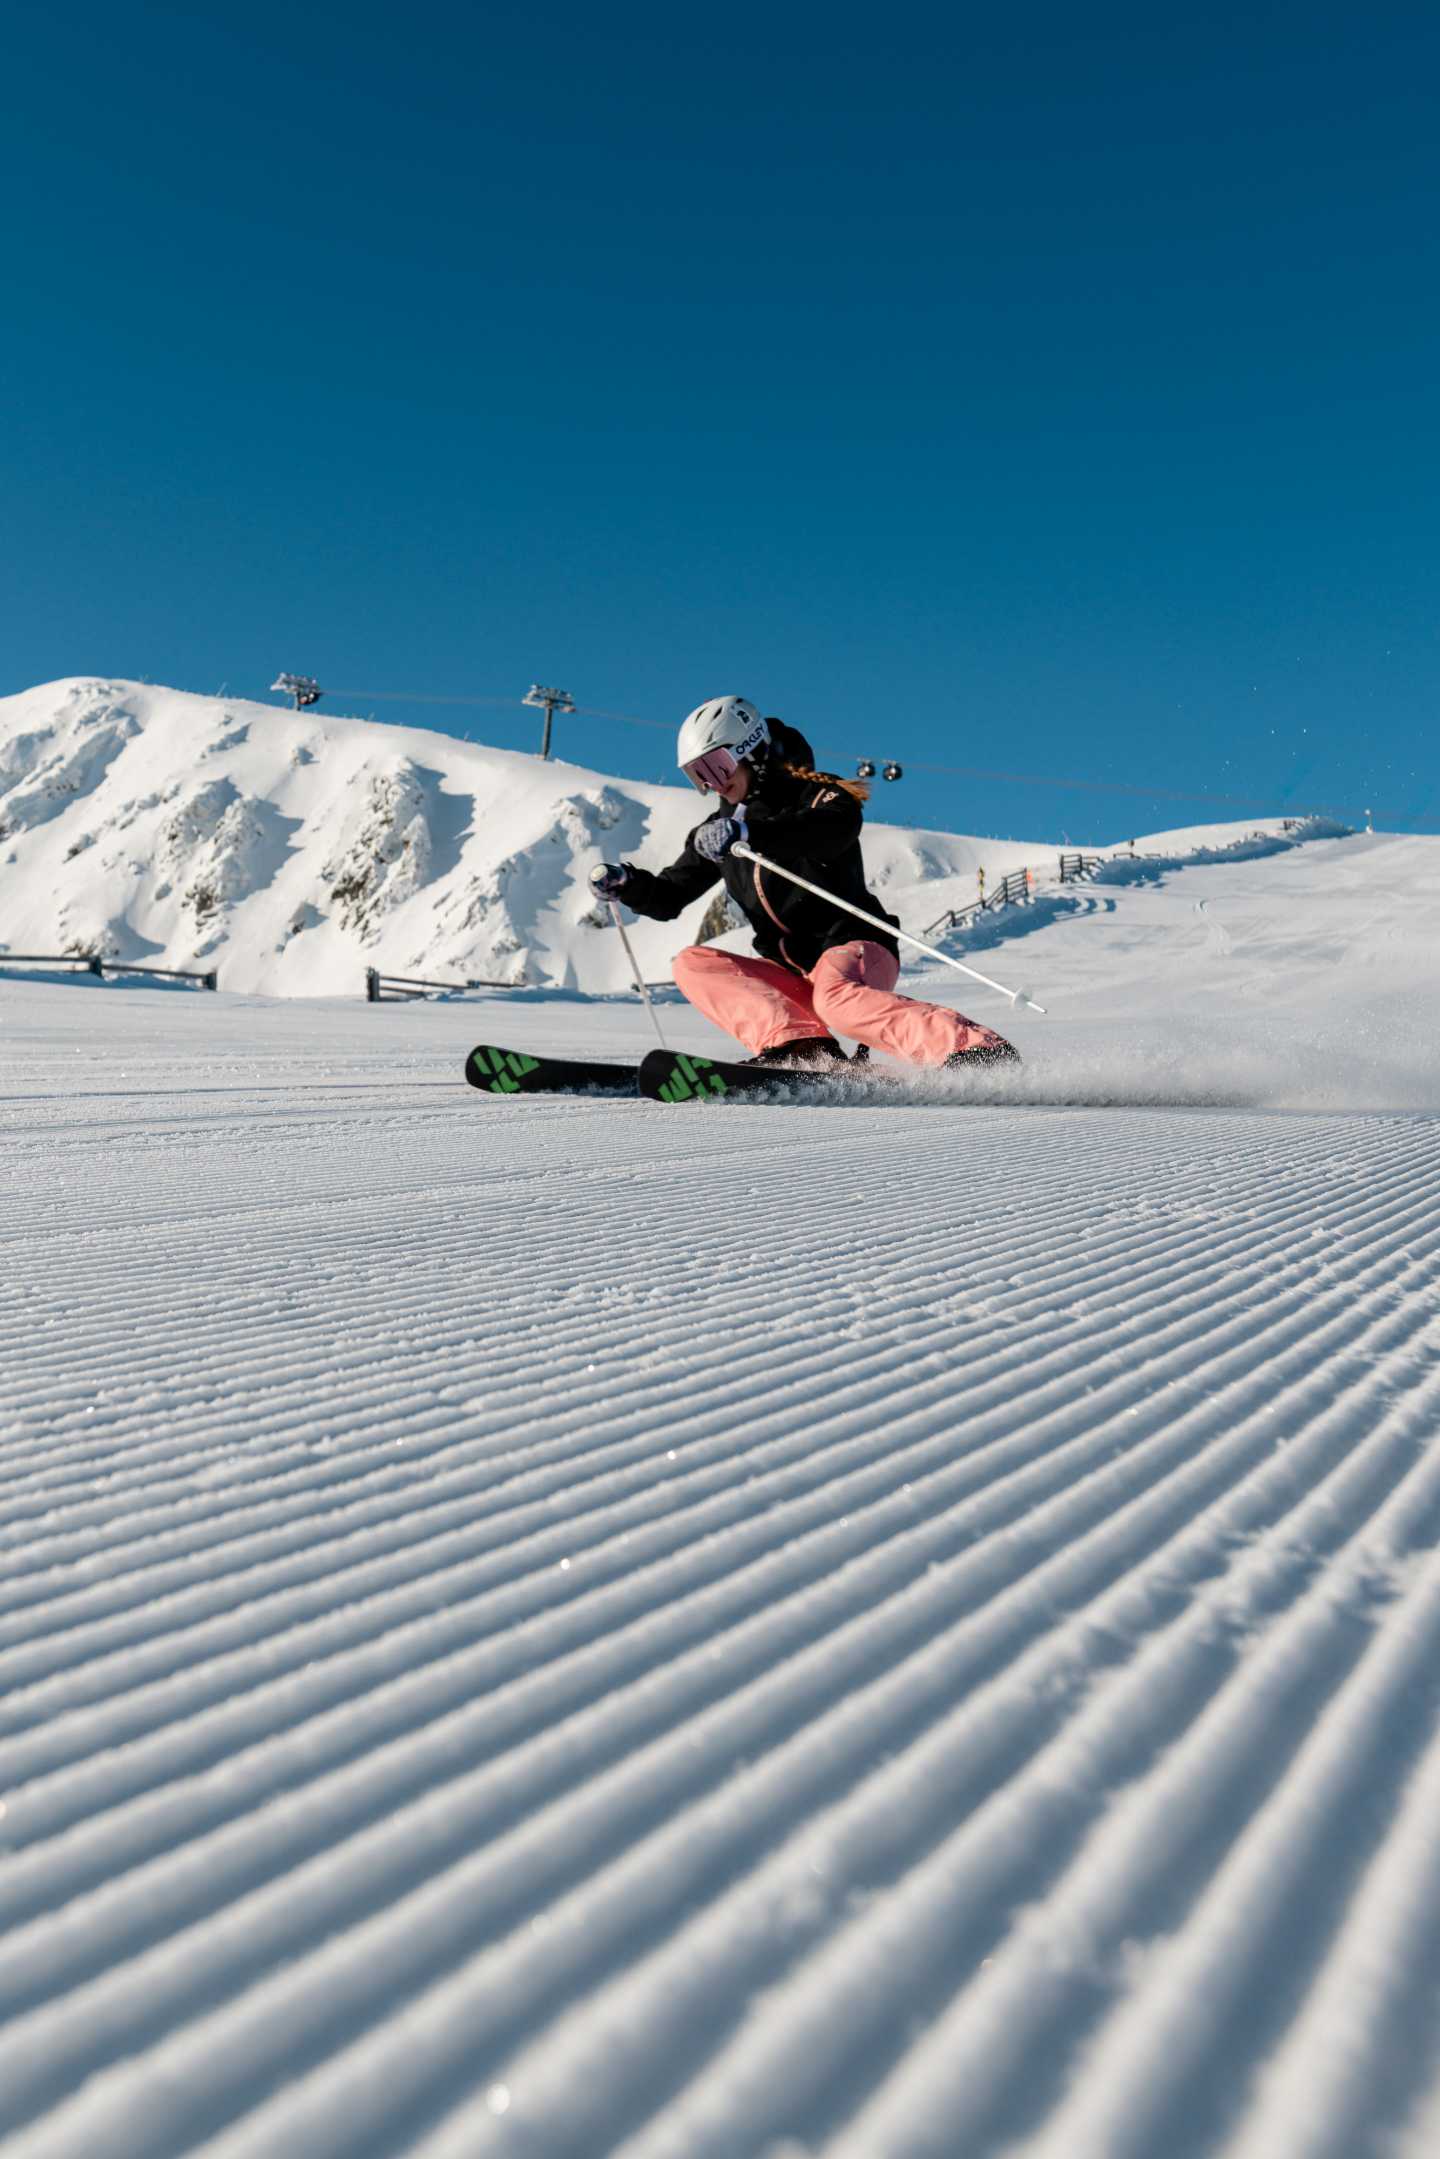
814 977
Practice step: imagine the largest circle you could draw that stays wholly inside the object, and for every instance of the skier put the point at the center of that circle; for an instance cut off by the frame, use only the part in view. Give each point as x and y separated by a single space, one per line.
814 977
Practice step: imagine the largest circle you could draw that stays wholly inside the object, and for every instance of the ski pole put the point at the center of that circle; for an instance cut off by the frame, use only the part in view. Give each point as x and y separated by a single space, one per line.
1016 997
635 971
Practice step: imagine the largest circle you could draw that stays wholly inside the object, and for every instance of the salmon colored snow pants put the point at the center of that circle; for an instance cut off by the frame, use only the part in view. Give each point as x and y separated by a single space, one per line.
849 991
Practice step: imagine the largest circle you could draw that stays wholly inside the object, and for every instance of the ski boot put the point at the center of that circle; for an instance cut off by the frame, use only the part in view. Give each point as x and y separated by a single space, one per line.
798 1056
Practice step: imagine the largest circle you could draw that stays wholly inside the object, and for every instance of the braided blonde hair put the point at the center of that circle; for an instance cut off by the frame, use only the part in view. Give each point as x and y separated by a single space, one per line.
860 789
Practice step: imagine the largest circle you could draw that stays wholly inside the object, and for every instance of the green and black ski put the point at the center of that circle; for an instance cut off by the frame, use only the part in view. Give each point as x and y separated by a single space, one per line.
501 1071
675 1076
664 1076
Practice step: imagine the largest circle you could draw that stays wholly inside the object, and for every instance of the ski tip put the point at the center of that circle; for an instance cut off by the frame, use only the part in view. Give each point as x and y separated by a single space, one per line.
498 1071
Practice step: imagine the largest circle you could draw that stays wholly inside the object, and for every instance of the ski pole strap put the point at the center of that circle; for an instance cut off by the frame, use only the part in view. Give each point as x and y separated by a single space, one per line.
888 928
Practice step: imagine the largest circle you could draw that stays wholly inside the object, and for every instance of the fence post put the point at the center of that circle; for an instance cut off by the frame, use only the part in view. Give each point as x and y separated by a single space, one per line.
96 965
372 985
212 980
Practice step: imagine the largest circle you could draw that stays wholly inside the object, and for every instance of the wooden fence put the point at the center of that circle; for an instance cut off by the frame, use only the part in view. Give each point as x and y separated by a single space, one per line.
89 963
385 989
1021 885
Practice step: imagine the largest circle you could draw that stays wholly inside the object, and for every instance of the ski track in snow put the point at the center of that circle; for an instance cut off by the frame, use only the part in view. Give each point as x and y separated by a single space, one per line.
567 1628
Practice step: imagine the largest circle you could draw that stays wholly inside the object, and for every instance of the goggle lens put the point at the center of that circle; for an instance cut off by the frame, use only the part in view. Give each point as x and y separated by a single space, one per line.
714 770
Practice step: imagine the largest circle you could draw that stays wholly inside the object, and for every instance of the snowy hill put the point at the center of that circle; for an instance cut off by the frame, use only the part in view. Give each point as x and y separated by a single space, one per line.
1302 977
292 850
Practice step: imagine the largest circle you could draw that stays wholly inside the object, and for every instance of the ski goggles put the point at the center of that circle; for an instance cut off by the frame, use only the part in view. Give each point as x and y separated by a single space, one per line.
715 769
712 771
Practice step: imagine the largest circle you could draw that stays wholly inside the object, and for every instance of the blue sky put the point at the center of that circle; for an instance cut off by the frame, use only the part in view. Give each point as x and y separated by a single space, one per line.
1045 391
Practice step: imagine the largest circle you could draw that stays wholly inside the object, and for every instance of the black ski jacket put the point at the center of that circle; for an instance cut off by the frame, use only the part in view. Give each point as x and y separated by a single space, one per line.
813 827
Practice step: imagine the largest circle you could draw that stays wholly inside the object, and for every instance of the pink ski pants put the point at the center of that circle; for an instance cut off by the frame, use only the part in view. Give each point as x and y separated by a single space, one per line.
849 991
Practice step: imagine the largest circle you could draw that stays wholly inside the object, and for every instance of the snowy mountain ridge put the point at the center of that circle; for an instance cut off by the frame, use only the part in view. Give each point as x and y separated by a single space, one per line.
292 850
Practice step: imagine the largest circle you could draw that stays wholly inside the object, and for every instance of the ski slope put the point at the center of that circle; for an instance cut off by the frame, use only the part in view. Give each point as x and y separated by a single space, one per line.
578 1628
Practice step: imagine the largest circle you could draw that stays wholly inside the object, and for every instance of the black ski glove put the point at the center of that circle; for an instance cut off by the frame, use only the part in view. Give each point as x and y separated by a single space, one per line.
609 879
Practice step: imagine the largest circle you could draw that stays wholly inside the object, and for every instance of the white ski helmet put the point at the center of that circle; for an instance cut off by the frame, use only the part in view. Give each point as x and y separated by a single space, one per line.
728 725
